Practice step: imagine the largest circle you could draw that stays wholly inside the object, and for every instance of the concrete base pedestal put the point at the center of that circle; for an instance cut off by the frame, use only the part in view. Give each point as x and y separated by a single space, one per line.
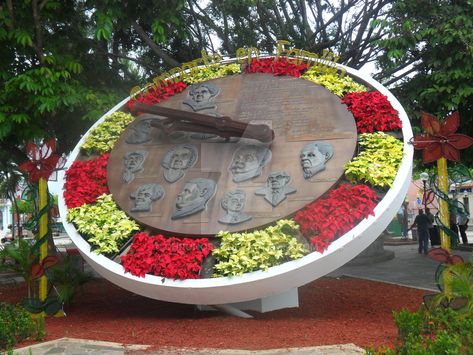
375 253
288 299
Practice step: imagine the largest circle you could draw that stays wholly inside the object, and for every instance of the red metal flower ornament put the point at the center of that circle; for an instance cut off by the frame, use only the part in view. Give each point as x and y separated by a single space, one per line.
439 138
42 160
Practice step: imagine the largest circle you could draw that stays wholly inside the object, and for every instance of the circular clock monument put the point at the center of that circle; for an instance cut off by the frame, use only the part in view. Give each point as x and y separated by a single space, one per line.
238 153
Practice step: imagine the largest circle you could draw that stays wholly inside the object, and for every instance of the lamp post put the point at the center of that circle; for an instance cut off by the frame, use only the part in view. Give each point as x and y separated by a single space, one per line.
424 177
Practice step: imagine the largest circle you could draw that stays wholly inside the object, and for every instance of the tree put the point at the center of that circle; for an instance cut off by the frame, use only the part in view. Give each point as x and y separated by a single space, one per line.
428 58
344 27
9 181
55 81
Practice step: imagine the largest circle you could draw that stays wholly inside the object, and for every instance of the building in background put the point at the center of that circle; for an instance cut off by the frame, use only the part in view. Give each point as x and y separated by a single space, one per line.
5 216
463 193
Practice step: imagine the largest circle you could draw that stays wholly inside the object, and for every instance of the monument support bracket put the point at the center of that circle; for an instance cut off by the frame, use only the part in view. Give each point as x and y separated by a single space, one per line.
230 310
287 299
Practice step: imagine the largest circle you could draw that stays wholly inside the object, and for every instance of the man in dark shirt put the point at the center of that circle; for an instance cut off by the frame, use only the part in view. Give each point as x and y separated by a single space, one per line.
422 222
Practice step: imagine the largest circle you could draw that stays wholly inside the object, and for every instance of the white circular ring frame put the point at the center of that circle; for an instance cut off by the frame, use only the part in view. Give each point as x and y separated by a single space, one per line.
258 284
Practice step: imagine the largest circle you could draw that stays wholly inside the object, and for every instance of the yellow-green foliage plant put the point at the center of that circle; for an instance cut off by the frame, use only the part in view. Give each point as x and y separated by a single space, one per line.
239 253
103 137
102 224
336 84
378 162
214 71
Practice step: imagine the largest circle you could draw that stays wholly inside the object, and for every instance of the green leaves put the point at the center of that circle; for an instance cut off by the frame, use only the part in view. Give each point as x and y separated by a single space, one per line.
213 71
103 137
73 67
104 226
239 253
337 84
436 37
440 331
378 162
20 118
158 31
22 37
16 324
47 89
104 26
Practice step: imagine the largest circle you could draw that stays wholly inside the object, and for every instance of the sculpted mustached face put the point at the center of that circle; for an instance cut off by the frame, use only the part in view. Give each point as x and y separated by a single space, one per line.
244 161
278 180
133 161
201 94
248 162
180 158
311 156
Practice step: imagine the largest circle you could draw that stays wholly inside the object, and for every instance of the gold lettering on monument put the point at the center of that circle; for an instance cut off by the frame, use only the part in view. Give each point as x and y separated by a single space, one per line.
326 63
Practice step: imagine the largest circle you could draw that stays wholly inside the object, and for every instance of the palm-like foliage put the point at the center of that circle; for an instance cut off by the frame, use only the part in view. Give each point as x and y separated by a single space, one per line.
460 289
19 257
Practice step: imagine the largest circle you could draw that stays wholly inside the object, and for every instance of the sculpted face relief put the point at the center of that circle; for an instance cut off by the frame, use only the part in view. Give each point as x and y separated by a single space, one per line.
313 158
145 195
233 203
193 197
178 160
270 174
277 187
248 161
133 164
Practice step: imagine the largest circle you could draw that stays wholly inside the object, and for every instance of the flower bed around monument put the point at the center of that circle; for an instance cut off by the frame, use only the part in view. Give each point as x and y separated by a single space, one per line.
321 222
154 95
102 139
372 111
330 217
336 84
103 224
276 67
378 162
174 258
239 253
331 310
85 181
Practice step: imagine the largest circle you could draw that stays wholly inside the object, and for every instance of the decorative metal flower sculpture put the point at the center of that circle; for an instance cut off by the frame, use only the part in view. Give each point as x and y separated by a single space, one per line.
42 160
439 138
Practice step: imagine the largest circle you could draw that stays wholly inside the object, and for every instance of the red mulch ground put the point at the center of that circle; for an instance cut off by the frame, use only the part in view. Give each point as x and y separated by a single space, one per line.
332 311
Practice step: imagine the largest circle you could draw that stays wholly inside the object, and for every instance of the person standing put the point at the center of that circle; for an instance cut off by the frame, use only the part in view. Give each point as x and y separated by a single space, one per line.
463 226
402 218
454 226
422 222
433 233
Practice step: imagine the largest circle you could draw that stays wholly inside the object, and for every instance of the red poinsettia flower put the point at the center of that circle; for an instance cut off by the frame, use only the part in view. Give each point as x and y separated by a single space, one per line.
42 160
372 112
279 67
439 138
168 257
86 181
155 95
330 217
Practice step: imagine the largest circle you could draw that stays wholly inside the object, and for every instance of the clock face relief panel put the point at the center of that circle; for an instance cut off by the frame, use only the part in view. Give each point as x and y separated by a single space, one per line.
314 137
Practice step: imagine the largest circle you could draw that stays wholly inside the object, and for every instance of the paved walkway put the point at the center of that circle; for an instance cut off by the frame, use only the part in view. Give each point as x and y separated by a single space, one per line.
70 346
408 268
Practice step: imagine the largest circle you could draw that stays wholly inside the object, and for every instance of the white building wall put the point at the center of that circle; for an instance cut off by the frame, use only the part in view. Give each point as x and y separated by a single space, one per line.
6 215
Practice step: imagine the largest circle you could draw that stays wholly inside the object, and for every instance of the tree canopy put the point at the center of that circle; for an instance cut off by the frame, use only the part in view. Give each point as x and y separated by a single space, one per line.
428 59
